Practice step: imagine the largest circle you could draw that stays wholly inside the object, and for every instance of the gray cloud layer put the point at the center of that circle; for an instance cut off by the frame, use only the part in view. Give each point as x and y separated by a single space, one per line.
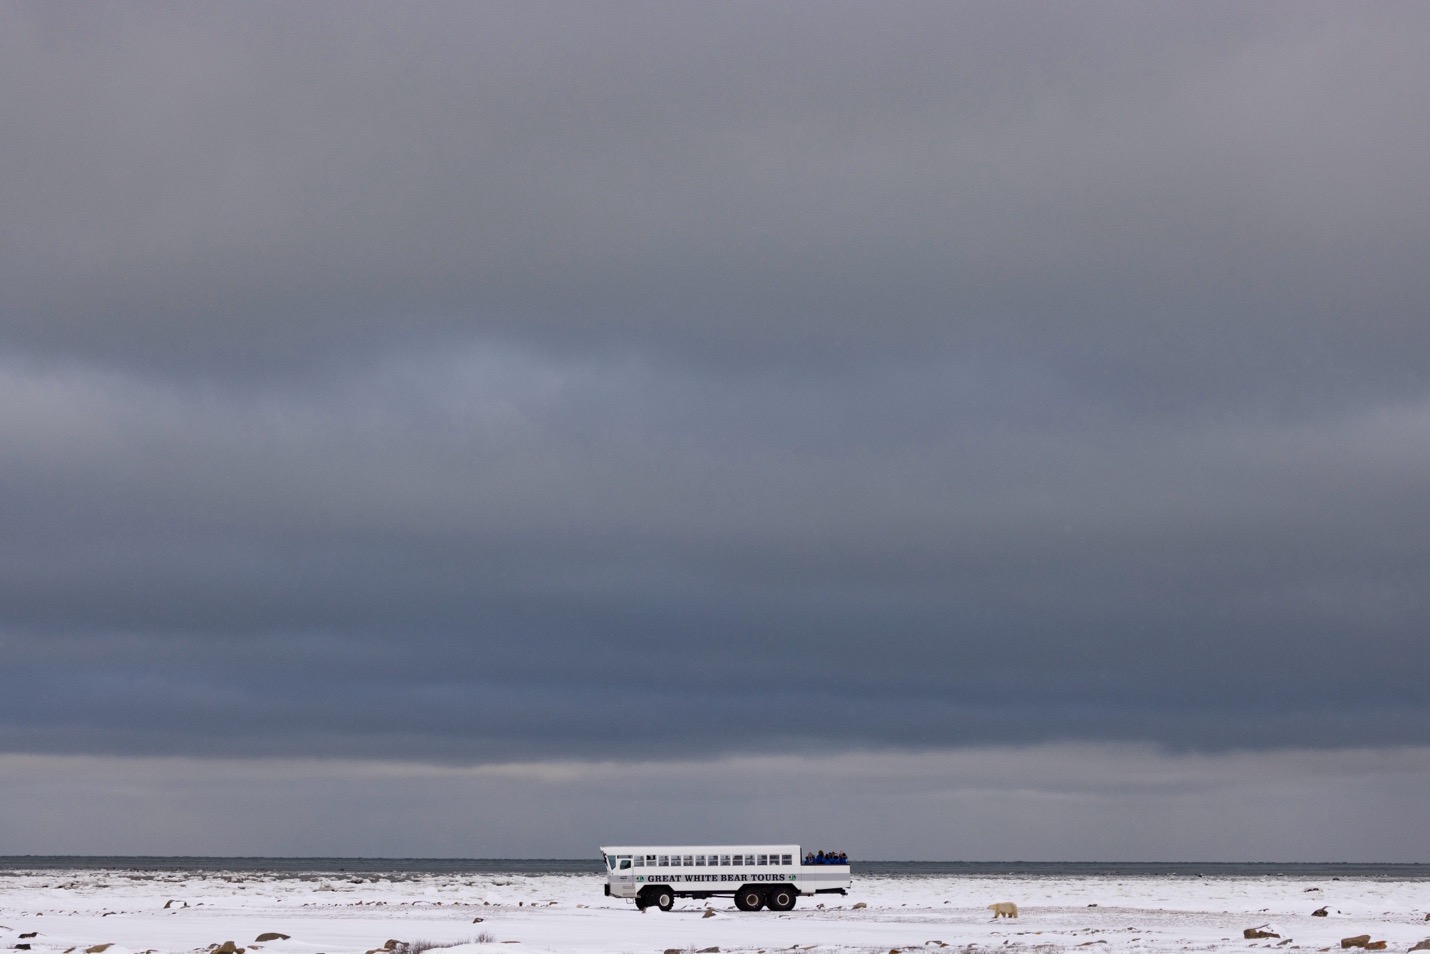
1075 803
596 380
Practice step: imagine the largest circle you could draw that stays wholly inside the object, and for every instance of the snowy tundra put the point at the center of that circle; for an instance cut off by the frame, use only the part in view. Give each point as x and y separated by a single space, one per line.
55 911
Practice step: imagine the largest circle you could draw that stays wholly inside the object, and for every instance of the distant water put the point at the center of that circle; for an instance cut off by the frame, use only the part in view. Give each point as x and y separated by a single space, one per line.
329 867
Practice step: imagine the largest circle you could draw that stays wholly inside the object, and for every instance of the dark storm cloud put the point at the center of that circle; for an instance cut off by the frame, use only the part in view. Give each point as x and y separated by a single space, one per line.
421 569
596 379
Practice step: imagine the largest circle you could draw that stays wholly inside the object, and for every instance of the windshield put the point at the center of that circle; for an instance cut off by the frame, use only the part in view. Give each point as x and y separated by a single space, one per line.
611 862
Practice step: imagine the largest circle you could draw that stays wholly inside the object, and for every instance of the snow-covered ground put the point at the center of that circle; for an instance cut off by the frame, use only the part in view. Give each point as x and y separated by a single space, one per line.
178 912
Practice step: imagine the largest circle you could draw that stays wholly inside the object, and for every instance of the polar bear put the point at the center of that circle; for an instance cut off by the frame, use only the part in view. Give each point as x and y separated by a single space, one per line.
1002 909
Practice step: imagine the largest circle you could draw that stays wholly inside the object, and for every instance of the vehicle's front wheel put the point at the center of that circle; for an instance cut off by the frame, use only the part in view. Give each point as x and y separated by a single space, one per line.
750 899
664 899
780 899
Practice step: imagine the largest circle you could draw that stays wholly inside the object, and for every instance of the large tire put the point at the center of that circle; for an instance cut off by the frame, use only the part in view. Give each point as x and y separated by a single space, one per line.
750 899
781 898
664 899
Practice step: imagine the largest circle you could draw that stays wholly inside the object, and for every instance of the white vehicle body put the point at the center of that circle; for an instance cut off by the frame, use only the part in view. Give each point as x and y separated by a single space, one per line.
755 874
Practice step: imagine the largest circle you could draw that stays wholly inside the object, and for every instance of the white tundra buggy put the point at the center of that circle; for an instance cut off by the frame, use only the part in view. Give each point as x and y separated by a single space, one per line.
756 875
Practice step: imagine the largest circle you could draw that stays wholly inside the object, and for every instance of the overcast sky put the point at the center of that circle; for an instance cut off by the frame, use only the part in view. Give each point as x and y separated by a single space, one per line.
985 400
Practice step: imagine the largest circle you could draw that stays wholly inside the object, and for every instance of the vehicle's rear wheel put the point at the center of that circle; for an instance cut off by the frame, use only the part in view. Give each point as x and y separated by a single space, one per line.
780 899
749 899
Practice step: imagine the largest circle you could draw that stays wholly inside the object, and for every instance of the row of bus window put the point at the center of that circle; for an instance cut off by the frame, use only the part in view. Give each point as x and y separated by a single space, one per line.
725 859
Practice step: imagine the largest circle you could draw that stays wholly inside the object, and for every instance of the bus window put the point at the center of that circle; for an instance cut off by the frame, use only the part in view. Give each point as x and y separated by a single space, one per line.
700 859
764 859
724 860
785 860
625 864
665 860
